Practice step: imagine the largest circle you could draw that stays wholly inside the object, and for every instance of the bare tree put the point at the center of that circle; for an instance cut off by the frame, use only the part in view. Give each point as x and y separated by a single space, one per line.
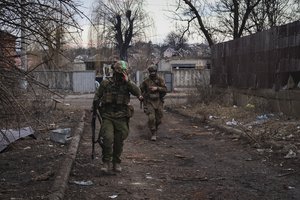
43 25
270 13
231 16
176 41
234 18
141 55
119 22
193 14
38 22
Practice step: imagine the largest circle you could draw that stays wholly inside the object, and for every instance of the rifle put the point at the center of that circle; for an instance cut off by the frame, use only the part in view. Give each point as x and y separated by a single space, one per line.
93 123
141 104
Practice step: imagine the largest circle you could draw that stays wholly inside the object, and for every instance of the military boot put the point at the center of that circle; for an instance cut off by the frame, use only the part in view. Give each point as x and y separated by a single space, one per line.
105 167
117 167
153 137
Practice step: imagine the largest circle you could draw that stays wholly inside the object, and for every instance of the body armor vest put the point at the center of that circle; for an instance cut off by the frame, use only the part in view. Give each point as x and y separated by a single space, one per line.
116 94
153 83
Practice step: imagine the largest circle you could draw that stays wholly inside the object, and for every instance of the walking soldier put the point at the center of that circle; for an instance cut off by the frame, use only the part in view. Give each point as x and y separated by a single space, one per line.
112 99
153 90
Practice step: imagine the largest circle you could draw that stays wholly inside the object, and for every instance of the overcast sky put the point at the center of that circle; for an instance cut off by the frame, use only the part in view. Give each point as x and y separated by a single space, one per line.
157 9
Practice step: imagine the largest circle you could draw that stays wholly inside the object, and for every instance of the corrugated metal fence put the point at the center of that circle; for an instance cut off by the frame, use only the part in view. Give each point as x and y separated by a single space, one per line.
262 60
83 81
190 78
182 78
75 81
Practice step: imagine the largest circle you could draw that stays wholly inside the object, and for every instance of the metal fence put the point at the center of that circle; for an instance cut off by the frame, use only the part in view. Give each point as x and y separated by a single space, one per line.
181 78
75 81
262 60
190 78
83 81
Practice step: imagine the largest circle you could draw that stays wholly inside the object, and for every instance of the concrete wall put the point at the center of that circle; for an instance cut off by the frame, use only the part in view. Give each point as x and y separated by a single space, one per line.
268 100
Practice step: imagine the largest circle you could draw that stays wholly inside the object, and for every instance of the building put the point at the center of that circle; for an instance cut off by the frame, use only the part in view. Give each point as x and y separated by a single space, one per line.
8 55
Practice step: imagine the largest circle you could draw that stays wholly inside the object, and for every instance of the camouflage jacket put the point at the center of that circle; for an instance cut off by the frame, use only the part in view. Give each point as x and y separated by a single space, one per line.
114 97
153 97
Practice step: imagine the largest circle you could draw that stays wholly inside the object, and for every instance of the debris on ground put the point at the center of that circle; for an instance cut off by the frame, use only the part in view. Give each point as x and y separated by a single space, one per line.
8 136
273 130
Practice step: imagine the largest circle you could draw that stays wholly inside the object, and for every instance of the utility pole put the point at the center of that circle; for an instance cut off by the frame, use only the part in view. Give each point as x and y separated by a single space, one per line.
23 40
59 37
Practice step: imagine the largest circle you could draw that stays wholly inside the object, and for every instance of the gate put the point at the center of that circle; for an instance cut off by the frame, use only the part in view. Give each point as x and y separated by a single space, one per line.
169 81
84 81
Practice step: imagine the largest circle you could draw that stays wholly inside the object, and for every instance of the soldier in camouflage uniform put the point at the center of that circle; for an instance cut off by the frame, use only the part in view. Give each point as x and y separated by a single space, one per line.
153 90
112 99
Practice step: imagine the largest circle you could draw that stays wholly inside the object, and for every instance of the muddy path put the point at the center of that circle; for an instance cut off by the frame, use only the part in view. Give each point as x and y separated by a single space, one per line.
188 161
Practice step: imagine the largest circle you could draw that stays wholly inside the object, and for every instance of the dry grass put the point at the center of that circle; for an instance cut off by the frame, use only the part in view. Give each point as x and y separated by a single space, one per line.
275 127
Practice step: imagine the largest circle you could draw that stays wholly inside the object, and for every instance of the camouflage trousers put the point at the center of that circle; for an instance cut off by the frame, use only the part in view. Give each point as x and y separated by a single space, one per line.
113 132
154 117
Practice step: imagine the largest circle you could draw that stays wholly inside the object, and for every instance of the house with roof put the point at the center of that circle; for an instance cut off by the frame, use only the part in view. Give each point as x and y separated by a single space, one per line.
185 74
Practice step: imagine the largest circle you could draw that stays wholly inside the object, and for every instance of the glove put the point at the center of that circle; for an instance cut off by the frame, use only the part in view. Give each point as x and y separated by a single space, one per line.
141 98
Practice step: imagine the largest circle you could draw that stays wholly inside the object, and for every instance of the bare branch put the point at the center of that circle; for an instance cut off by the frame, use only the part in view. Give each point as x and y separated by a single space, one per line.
43 24
121 20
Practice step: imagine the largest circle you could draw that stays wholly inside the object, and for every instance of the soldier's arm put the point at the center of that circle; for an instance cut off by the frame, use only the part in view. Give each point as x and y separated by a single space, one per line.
134 89
143 87
99 93
162 86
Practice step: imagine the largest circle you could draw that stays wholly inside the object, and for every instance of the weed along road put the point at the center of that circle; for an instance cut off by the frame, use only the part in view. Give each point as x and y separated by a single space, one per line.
189 160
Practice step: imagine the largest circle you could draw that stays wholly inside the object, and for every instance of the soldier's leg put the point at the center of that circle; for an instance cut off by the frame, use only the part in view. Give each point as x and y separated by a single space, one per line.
152 124
158 116
151 119
107 134
121 129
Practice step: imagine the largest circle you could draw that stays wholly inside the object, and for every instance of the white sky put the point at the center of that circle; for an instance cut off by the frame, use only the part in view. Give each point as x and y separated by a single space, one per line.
158 11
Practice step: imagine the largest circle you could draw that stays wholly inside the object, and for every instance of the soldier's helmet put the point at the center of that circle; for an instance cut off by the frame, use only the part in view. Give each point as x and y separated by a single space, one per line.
152 68
120 67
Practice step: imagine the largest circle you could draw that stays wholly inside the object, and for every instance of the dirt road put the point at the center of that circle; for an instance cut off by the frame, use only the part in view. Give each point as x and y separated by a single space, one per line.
188 161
